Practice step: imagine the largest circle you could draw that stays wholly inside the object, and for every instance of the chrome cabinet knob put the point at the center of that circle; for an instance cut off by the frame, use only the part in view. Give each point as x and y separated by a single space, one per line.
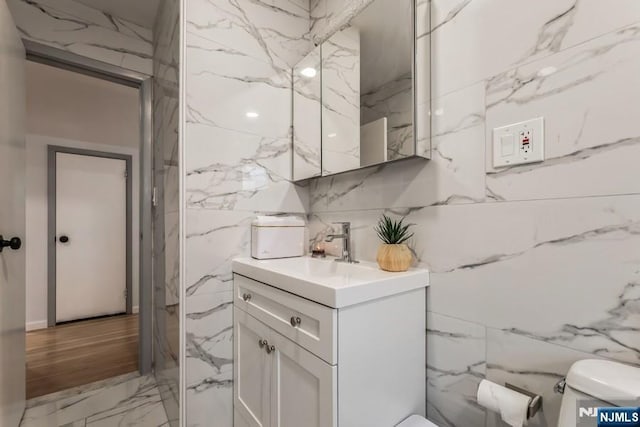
265 344
246 297
295 321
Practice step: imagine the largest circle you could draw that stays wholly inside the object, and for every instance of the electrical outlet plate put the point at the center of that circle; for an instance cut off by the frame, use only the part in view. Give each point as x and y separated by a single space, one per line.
519 143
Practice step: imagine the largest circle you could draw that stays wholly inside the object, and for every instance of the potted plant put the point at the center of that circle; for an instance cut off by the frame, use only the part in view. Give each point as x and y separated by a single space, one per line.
394 254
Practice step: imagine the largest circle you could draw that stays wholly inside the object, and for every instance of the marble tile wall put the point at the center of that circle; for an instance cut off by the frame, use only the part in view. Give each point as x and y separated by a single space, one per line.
72 26
394 101
167 304
533 267
239 56
327 16
341 102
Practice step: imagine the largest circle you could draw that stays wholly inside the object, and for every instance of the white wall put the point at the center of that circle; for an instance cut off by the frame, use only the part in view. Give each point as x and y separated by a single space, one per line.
72 110
69 105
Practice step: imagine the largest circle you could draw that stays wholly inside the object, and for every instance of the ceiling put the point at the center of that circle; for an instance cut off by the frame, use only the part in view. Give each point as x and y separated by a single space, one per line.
141 12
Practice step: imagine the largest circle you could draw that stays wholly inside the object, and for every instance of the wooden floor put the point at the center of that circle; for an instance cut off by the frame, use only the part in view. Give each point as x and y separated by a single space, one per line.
81 352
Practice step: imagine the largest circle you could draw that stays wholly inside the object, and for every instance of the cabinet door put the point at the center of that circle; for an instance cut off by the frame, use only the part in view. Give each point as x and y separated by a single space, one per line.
251 372
303 387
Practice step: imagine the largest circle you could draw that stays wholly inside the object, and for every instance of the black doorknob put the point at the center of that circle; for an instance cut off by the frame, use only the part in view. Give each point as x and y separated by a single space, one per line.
15 243
64 239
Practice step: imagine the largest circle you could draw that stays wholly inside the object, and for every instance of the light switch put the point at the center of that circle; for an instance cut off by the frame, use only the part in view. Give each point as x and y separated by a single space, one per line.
519 143
506 144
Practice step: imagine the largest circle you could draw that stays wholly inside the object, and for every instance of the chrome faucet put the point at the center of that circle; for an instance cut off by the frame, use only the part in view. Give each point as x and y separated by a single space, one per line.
346 242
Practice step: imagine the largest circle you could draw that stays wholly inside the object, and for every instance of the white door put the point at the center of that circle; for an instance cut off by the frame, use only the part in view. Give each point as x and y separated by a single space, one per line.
251 372
304 387
91 238
12 221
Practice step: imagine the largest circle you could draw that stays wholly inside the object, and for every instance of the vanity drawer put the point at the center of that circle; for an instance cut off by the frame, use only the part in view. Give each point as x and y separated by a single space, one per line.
309 324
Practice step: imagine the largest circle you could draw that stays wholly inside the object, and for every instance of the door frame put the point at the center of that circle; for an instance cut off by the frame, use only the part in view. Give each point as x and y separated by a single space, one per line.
52 247
38 52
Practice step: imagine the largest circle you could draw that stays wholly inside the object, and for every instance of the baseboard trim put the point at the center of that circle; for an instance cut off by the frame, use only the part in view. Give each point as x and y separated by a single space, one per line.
42 324
33 326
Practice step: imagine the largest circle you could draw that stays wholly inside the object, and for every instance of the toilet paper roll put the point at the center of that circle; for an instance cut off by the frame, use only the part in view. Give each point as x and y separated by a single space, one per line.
511 405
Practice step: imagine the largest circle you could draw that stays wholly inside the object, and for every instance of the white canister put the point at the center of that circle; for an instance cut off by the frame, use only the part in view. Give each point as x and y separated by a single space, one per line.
277 237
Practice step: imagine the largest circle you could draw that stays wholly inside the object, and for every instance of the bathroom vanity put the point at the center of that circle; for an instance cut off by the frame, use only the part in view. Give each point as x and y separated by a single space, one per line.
322 343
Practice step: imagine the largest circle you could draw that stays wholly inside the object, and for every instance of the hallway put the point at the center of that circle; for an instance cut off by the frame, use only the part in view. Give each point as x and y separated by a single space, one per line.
79 353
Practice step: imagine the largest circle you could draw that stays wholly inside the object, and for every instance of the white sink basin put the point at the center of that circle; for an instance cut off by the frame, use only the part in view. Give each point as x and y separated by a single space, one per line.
335 284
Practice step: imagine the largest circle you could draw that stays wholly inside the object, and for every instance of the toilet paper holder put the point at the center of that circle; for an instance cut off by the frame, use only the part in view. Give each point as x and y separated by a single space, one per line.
535 404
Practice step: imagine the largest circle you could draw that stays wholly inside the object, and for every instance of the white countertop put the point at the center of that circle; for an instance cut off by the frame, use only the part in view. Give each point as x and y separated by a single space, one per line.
331 283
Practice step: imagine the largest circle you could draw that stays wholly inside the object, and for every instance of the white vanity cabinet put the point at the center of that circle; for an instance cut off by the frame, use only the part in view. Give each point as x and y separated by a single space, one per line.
277 382
299 363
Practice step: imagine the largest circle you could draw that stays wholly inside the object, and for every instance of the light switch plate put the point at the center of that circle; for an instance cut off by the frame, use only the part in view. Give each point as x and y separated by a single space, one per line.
519 143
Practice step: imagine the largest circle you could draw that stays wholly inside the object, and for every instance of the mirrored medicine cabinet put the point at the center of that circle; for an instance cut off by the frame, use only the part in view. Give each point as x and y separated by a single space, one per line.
357 95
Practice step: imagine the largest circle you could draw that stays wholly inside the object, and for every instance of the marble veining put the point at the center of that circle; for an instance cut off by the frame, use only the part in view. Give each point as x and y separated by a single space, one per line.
307 116
531 364
249 85
393 100
447 16
578 141
209 358
84 390
551 27
455 174
616 329
122 401
208 281
456 363
274 32
548 241
327 16
504 245
80 29
210 271
341 102
536 253
548 258
243 177
239 152
238 156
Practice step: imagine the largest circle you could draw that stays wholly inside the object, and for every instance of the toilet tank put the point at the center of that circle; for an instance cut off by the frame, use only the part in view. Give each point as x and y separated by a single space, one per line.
277 237
597 383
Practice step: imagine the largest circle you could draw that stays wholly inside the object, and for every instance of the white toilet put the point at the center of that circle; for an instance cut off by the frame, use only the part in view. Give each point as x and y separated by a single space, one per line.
599 380
607 382
416 421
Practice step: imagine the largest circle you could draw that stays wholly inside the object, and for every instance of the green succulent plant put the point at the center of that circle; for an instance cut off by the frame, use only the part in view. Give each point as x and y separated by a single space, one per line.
393 232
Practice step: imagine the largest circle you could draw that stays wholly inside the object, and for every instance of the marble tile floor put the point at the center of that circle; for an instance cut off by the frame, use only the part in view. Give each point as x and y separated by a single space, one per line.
127 400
